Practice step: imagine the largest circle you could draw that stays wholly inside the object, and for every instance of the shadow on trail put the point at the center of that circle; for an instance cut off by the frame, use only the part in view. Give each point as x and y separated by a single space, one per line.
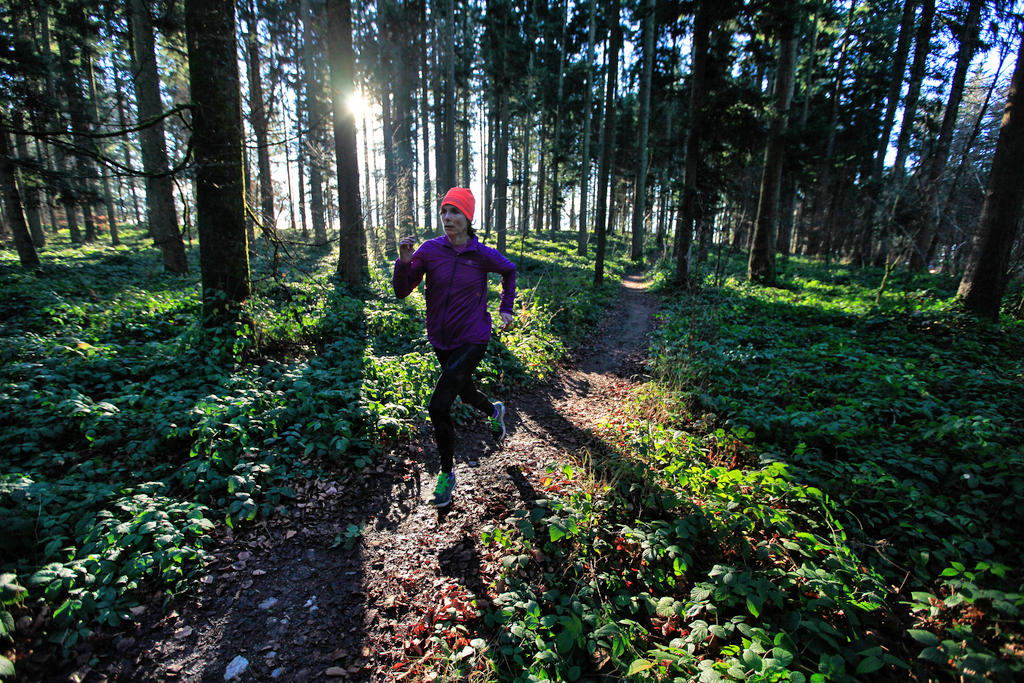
461 561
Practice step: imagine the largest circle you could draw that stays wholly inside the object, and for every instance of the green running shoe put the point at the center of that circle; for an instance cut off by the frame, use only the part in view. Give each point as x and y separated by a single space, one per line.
443 490
497 422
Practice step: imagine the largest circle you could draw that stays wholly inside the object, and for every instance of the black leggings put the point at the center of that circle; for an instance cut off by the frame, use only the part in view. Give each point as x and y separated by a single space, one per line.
457 366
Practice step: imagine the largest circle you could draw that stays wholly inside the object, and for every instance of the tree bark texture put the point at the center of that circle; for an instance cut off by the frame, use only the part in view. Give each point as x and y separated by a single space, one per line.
259 120
160 210
643 156
29 193
583 231
86 169
761 265
315 118
352 266
608 144
217 145
446 147
14 212
689 204
985 278
94 119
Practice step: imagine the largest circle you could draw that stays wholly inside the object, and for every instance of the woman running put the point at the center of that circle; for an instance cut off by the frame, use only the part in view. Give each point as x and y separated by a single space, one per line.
456 266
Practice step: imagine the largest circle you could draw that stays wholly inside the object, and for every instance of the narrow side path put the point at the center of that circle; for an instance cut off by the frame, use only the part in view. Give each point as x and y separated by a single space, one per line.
350 585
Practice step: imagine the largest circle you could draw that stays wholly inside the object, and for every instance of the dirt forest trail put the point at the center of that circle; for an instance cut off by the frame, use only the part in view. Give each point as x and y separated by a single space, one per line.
350 585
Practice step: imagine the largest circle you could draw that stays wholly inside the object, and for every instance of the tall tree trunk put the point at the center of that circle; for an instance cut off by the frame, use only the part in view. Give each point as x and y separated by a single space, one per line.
85 190
934 165
29 193
555 202
636 251
608 144
125 148
689 204
791 186
969 143
761 265
352 267
260 119
316 117
94 119
922 47
501 170
217 146
368 187
390 175
401 30
14 213
63 192
161 213
581 240
467 147
446 147
827 185
428 186
985 278
538 211
899 66
489 171
526 168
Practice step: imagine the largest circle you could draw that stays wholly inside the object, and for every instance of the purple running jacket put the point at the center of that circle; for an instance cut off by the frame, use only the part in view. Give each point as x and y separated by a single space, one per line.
456 289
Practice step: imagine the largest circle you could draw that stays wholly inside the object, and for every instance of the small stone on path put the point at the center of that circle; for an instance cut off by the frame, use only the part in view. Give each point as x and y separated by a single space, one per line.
236 667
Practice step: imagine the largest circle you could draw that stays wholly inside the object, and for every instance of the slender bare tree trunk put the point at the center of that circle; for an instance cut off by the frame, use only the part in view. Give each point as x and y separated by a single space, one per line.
29 193
259 118
862 253
501 171
689 203
985 278
934 165
160 211
352 266
555 201
761 265
94 119
125 148
14 213
428 190
446 117
640 185
315 116
80 130
608 144
583 232
390 241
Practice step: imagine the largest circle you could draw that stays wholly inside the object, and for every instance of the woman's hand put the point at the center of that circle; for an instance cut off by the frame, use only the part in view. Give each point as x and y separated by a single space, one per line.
406 248
506 319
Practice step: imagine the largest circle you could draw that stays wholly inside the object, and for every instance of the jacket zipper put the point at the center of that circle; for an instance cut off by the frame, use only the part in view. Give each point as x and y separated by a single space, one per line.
447 299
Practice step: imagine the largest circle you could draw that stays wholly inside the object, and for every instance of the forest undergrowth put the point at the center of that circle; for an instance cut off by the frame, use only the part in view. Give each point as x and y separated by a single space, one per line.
131 431
817 484
813 485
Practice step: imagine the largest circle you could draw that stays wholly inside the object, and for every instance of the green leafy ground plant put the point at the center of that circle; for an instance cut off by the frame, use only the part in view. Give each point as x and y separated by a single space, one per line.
819 485
132 430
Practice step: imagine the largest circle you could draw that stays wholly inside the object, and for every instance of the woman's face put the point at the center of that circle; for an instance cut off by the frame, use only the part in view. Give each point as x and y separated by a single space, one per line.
456 225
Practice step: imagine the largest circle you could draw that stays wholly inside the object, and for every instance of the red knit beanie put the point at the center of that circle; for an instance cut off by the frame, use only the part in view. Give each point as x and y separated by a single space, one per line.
462 199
